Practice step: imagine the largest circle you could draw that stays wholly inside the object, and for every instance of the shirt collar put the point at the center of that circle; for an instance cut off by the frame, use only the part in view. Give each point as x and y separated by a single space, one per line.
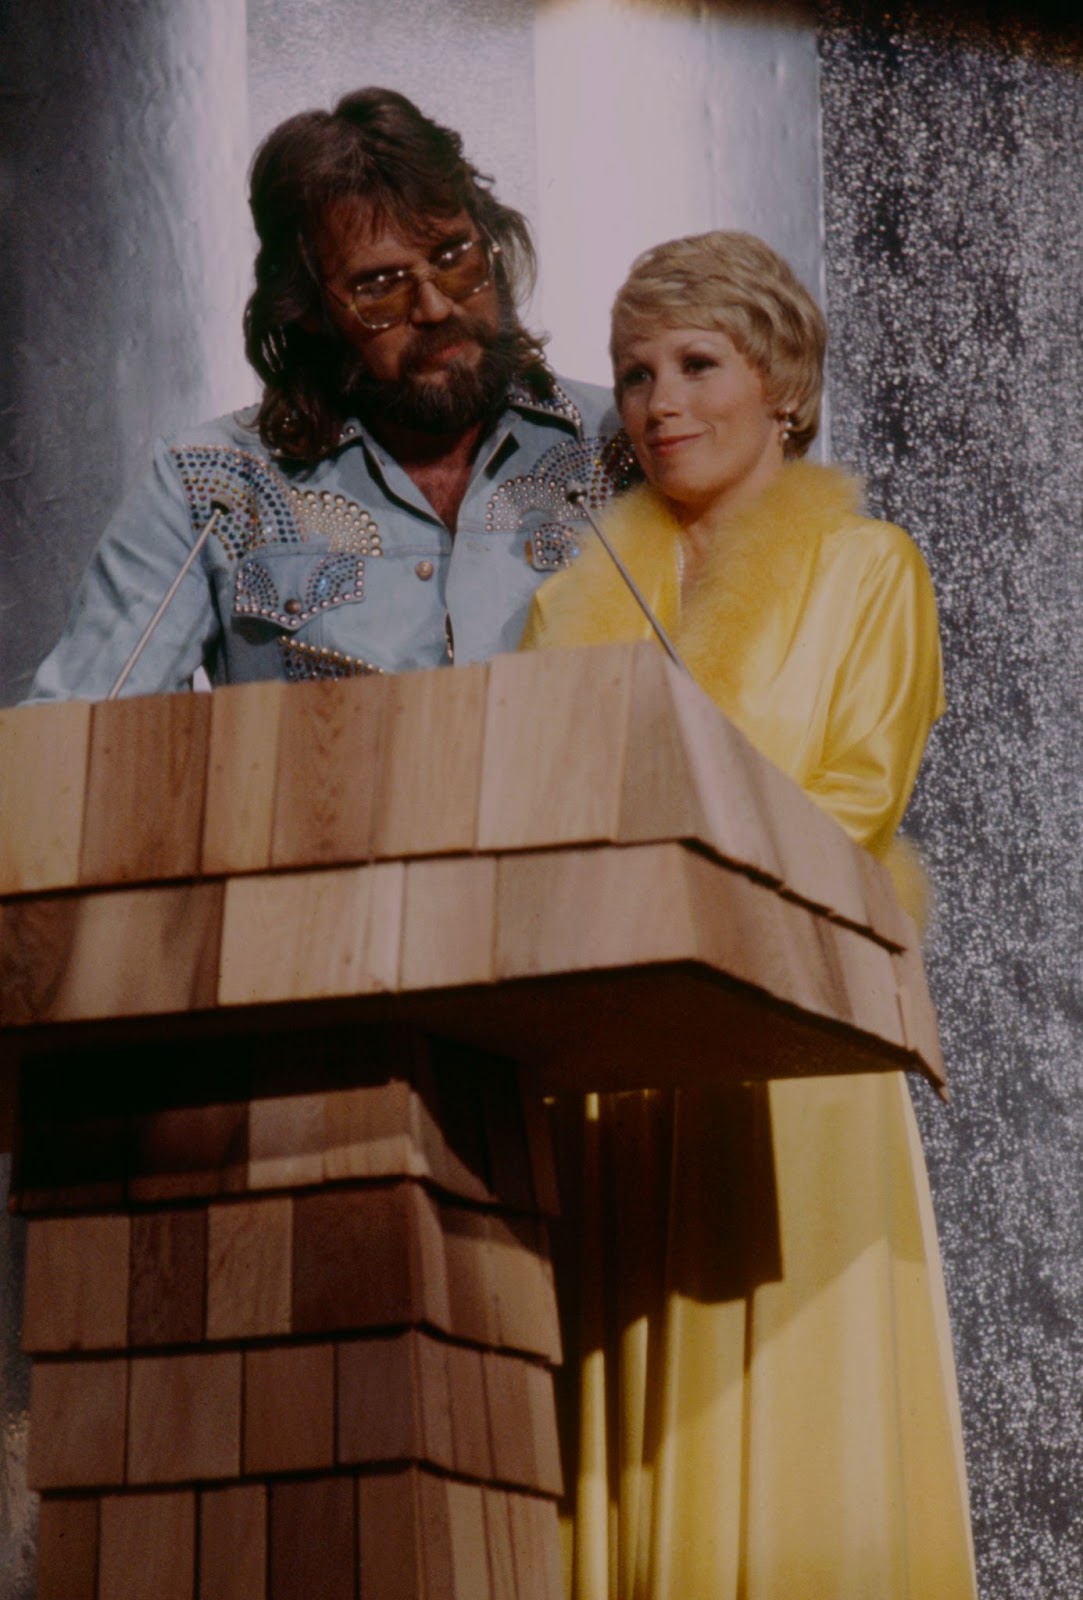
558 404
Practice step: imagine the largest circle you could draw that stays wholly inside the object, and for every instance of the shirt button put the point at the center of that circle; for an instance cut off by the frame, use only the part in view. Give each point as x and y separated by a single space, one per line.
424 569
293 608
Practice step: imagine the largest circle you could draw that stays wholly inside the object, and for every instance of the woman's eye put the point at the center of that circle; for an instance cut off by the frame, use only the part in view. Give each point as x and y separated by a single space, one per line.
632 378
699 363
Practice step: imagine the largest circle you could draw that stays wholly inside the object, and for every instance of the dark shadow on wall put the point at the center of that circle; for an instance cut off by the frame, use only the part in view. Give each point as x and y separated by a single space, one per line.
113 128
1044 27
1040 27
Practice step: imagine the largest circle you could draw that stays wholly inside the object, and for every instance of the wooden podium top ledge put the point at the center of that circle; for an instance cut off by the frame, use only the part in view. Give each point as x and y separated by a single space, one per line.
555 856
606 745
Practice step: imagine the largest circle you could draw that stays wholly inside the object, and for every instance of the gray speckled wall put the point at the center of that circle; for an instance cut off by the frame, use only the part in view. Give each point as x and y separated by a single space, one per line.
953 170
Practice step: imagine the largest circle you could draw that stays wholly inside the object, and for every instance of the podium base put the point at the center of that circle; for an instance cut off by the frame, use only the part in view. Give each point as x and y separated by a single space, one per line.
290 1306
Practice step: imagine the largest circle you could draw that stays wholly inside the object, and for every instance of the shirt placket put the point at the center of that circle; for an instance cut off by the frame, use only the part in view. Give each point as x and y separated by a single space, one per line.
415 536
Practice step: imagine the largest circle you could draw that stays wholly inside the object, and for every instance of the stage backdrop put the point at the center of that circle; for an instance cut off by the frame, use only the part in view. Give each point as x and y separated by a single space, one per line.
944 165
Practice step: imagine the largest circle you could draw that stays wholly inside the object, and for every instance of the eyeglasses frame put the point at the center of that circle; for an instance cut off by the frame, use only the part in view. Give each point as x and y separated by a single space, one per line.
420 277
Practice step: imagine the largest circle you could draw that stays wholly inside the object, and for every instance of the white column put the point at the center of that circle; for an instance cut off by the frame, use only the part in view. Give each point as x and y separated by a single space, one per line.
655 121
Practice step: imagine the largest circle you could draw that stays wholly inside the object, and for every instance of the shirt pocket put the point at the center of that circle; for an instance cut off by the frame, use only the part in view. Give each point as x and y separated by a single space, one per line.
288 588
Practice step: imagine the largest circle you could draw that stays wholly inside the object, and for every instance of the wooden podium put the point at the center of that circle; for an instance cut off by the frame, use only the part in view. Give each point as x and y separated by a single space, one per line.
284 975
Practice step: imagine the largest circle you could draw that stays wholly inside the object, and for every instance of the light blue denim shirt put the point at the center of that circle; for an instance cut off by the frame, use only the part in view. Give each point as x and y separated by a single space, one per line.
337 567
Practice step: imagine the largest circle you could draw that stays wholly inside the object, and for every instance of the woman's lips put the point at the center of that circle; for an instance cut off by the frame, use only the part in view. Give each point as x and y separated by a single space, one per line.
669 444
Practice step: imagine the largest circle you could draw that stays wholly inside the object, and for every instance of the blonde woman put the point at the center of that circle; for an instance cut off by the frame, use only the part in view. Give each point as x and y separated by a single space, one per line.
763 1386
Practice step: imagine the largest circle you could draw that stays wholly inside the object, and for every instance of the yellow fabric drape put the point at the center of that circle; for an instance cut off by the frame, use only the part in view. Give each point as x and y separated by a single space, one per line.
760 1381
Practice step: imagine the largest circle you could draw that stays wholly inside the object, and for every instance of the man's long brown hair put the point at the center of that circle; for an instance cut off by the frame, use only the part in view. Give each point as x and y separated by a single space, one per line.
406 170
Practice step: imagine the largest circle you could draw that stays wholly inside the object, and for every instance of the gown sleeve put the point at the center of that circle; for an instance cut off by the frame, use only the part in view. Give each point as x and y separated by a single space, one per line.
885 696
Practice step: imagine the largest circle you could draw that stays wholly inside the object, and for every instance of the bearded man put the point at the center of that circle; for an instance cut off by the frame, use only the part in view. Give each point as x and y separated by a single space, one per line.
400 491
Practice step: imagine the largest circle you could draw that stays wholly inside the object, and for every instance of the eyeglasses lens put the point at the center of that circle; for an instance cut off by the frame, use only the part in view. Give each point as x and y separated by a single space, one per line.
466 275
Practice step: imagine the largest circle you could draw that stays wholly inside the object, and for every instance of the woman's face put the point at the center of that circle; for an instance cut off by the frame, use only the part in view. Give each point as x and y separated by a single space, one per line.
695 412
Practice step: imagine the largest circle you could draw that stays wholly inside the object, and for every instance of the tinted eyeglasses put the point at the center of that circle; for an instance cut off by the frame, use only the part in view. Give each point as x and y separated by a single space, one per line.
459 271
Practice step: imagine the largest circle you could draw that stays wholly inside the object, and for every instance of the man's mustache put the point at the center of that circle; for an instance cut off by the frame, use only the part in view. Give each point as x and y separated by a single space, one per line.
427 342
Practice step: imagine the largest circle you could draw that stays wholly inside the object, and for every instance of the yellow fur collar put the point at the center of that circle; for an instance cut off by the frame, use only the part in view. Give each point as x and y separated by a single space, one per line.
757 571
756 577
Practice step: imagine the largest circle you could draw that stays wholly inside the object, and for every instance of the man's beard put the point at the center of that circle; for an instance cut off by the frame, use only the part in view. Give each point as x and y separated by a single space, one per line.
460 397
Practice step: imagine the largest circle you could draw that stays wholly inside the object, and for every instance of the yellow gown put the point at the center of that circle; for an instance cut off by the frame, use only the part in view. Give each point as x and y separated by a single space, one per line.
761 1393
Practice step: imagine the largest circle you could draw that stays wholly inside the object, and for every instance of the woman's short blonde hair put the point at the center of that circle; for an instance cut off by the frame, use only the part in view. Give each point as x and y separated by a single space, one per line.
735 284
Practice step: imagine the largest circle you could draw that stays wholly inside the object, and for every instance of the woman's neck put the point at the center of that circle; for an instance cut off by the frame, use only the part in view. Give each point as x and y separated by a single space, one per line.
703 527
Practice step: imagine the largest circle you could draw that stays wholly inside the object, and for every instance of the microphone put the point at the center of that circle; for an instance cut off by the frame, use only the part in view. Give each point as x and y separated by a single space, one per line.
576 495
219 508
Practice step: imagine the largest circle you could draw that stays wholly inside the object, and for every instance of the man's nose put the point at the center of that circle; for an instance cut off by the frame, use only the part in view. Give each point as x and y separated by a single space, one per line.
430 303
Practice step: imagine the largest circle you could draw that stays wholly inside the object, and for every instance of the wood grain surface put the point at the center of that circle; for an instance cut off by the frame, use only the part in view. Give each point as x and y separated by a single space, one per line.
552 768
147 1547
326 782
76 1286
145 788
43 773
233 1543
242 774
